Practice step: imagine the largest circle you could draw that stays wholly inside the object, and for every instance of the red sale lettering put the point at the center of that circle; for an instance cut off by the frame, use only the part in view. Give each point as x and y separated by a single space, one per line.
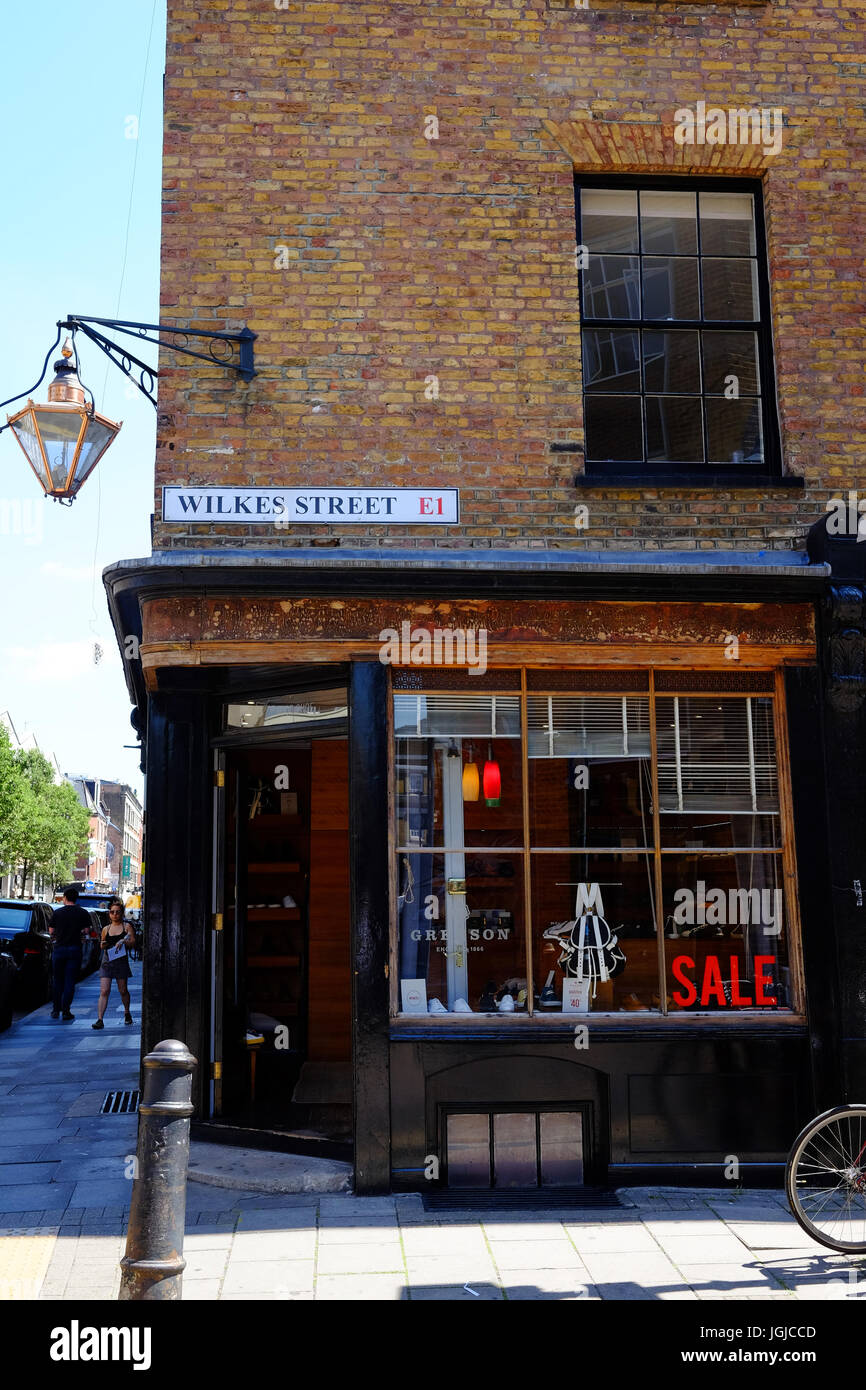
738 1000
678 964
712 984
761 980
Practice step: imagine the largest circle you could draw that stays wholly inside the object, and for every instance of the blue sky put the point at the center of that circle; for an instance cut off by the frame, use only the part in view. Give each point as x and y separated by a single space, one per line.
69 162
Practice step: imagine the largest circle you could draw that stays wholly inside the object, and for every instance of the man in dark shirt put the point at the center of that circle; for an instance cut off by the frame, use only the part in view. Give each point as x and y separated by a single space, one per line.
68 926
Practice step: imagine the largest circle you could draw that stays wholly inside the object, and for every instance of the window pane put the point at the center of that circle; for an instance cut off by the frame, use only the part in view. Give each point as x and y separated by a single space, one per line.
609 219
456 715
514 1151
674 429
668 223
611 287
468 1140
730 289
443 795
730 354
670 362
610 361
734 431
561 1149
727 224
726 945
461 946
716 754
614 429
623 906
670 288
589 773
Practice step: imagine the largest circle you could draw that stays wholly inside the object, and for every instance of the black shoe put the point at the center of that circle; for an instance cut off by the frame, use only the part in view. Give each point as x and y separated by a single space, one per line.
128 1019
98 1024
69 1018
55 1013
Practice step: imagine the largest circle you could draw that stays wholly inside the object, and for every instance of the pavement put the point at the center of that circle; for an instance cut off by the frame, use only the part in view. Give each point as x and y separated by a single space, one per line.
65 1188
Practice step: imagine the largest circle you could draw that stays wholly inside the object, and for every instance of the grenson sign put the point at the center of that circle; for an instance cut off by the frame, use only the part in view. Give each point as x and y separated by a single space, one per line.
282 505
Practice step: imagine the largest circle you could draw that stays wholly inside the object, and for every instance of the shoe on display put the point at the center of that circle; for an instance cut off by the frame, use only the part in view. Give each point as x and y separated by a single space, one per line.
547 998
520 1001
250 1038
506 1004
487 1002
632 1004
436 1007
288 901
461 1007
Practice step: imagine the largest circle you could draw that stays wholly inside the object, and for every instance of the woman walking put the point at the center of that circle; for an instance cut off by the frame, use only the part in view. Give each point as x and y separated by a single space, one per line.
117 940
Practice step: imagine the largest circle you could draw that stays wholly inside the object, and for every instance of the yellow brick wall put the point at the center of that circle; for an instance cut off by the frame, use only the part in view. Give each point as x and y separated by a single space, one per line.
405 257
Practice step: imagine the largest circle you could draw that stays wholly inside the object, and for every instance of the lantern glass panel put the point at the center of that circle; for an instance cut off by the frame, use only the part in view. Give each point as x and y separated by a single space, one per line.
59 434
27 437
97 438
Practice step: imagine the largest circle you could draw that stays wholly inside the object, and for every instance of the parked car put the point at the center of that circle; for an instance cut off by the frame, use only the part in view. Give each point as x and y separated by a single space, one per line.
91 952
8 974
24 936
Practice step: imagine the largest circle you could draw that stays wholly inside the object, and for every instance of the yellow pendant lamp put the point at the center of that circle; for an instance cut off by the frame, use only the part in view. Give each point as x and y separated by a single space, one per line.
471 780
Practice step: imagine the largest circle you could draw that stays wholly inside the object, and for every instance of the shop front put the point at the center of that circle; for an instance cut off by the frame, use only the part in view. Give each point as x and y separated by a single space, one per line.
494 890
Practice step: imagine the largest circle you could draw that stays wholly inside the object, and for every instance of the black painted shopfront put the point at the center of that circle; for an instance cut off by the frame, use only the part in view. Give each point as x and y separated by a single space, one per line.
380 898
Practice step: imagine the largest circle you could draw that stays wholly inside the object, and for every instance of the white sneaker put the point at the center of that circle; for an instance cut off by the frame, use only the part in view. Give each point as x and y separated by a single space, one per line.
436 1007
461 1007
506 1004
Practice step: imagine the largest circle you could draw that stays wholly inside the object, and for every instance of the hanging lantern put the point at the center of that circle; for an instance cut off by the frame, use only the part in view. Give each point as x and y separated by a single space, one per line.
492 780
65 439
471 780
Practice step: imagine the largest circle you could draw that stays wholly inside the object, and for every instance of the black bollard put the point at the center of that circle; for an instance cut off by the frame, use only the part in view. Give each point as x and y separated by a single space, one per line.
153 1264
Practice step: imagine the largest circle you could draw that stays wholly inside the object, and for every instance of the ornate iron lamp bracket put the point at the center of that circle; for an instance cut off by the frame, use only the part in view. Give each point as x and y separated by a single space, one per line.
233 351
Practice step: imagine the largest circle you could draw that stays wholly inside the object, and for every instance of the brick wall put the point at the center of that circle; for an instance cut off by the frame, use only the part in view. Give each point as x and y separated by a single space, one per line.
405 257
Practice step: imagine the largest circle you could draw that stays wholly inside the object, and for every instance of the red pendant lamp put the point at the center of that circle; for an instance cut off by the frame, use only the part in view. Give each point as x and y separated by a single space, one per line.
491 780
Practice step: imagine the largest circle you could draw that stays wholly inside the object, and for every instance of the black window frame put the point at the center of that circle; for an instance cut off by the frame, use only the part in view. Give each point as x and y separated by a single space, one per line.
672 473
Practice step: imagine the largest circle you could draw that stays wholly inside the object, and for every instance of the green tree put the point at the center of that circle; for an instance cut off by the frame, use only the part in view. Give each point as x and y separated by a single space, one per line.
13 792
52 826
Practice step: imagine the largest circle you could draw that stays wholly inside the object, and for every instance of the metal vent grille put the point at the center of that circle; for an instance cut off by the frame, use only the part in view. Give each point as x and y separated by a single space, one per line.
454 678
619 680
715 682
120 1103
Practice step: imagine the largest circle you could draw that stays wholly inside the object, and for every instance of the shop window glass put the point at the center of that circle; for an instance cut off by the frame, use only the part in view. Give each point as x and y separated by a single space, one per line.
462 945
575 899
726 938
580 902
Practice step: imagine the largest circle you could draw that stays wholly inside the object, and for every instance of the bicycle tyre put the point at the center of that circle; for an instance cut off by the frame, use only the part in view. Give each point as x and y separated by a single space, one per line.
810 1170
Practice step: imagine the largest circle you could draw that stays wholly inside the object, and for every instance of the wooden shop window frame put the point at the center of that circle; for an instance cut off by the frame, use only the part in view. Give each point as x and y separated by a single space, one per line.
785 852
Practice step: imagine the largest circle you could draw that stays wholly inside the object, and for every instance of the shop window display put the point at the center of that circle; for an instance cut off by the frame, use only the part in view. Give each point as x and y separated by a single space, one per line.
553 860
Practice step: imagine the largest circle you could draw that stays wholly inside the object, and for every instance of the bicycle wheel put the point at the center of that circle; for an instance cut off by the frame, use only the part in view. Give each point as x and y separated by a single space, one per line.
825 1178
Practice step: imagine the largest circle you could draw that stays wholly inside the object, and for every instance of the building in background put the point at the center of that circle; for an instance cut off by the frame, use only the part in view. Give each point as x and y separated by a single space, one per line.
517 603
126 813
101 865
